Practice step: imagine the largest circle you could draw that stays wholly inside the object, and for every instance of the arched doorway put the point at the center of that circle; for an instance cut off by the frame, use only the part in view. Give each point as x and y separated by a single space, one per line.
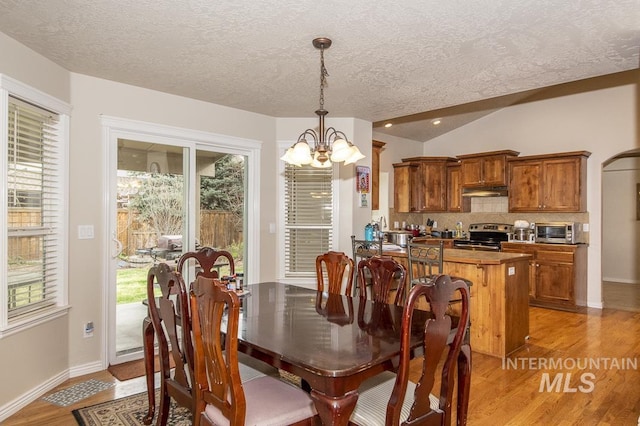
621 231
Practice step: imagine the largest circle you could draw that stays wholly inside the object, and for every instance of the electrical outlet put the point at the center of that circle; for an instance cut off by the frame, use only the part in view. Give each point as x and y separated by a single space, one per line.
87 330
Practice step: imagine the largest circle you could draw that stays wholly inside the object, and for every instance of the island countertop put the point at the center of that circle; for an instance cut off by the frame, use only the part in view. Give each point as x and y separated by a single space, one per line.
476 257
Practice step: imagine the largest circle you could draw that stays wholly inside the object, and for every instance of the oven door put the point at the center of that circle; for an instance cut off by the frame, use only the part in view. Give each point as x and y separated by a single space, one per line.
475 245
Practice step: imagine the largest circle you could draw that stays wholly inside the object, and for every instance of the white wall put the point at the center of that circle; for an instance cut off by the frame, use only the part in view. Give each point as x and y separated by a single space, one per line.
603 122
92 97
41 353
621 227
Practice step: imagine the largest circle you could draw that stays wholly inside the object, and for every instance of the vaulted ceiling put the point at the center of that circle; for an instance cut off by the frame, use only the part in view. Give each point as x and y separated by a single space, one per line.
411 60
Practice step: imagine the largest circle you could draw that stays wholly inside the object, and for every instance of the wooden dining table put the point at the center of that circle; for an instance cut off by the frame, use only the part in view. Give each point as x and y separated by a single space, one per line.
333 342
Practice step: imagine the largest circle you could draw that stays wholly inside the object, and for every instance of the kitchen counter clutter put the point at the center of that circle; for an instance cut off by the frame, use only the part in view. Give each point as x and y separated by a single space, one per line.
499 307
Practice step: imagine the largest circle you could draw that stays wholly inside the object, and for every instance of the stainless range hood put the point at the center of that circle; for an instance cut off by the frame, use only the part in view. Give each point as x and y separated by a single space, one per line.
494 191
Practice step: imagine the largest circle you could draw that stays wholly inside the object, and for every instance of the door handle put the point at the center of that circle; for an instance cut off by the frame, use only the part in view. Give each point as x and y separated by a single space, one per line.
118 247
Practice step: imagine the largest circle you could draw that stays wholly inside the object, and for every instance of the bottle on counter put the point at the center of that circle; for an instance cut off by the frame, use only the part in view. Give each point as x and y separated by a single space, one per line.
368 232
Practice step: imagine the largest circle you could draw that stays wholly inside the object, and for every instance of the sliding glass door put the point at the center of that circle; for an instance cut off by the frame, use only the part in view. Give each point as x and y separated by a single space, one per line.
167 198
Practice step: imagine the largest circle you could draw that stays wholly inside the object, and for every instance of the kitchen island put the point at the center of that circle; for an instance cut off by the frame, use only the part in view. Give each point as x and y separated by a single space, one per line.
499 309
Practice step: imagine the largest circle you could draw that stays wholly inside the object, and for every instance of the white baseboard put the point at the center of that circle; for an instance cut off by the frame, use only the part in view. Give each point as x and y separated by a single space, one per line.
620 280
32 395
594 305
28 397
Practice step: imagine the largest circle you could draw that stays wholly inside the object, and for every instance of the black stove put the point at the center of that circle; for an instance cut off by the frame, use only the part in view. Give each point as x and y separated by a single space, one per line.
485 236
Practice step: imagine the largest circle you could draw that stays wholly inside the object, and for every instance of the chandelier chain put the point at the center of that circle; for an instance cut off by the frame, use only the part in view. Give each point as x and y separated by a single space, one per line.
321 147
323 77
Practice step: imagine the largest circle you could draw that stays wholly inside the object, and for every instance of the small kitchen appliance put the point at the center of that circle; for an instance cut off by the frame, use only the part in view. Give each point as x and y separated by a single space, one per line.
522 232
558 232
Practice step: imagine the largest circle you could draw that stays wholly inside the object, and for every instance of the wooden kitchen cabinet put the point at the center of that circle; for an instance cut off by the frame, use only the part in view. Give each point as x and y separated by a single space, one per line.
557 274
550 183
485 169
375 174
420 184
455 201
402 177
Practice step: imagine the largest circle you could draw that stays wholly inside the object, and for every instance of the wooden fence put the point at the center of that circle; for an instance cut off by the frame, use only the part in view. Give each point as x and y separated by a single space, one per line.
22 249
216 230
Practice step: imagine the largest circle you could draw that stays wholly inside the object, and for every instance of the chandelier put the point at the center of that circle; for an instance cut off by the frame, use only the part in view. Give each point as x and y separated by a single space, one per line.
327 145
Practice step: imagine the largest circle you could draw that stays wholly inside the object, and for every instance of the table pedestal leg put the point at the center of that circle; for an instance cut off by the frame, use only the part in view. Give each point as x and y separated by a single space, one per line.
332 410
147 348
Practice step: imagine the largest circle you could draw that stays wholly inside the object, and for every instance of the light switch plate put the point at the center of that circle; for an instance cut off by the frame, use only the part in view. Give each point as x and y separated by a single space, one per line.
511 270
85 232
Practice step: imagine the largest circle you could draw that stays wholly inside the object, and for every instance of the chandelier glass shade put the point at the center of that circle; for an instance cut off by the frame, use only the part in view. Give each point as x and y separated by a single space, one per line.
325 146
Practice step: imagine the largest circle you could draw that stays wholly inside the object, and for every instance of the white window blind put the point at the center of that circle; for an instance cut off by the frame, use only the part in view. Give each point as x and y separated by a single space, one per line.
308 218
34 209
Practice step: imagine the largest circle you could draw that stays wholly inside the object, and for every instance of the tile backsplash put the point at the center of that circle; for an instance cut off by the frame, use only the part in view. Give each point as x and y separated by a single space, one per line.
485 209
490 204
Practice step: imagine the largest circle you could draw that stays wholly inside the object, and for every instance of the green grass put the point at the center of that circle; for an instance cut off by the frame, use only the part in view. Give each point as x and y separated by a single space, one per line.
132 285
132 282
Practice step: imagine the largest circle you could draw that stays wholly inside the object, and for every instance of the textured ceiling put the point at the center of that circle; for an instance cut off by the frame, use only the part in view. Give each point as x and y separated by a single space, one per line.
388 59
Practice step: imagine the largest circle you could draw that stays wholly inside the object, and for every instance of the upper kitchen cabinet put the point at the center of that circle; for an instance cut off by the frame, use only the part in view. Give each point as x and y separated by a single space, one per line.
550 183
455 201
420 184
375 174
485 169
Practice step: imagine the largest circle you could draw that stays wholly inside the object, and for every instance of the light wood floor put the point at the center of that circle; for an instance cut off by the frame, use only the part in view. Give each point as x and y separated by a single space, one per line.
622 296
500 395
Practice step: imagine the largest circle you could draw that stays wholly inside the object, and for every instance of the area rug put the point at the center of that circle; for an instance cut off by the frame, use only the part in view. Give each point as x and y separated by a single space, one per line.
133 369
128 411
77 392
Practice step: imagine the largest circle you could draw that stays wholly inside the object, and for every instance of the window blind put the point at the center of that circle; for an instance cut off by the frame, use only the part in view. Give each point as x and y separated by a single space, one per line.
308 218
34 208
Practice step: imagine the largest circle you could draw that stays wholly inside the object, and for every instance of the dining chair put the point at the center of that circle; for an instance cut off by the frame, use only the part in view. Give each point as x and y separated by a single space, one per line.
425 261
168 313
364 249
390 399
208 266
207 259
220 396
337 268
386 276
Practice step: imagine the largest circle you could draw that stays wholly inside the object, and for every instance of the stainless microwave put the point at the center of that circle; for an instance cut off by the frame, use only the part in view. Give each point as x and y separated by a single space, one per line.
558 232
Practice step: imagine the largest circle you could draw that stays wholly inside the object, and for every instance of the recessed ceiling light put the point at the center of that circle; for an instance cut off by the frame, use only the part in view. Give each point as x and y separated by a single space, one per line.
388 125
436 121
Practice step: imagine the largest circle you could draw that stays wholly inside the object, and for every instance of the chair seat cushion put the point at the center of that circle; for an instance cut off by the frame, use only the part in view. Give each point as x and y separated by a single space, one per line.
251 368
270 402
374 394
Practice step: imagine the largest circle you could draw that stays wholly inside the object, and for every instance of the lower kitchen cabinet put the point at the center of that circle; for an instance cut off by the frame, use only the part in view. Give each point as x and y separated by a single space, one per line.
557 274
